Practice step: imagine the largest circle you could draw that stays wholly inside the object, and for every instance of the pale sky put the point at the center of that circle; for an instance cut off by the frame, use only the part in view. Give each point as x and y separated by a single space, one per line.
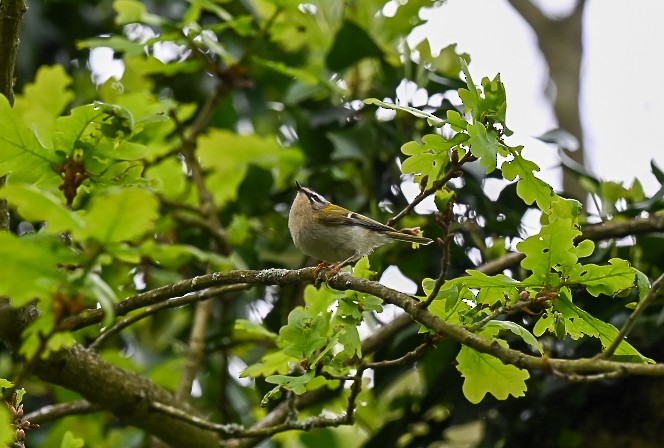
622 102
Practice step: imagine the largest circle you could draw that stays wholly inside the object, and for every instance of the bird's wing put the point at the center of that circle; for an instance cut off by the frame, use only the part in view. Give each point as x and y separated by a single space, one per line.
333 214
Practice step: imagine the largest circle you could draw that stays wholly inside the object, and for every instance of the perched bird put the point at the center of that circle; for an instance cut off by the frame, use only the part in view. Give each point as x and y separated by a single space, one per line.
333 234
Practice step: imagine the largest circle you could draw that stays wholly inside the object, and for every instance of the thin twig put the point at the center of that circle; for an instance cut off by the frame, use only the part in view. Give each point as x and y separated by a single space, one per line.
454 171
239 431
196 349
576 378
170 303
203 310
56 411
629 324
416 353
504 309
214 231
444 220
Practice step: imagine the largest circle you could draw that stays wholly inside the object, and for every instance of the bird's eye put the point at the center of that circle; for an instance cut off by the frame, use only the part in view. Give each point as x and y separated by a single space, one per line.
314 197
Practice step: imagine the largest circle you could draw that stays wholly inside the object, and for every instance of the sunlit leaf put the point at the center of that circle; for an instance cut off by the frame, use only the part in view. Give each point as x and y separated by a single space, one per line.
609 279
484 374
304 334
518 330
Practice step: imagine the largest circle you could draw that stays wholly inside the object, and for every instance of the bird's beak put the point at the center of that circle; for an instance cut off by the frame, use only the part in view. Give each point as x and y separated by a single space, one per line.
299 186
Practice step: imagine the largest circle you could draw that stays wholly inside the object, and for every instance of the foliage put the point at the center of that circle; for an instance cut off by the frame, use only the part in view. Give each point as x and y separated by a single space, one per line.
158 190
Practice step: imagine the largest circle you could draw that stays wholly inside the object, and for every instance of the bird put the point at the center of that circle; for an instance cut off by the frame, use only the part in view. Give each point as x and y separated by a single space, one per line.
337 236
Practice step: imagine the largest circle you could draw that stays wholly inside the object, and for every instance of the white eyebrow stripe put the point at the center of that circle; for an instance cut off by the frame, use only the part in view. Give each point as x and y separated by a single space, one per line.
315 197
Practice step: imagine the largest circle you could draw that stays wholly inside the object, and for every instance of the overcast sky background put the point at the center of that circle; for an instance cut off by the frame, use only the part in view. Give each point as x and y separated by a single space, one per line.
622 102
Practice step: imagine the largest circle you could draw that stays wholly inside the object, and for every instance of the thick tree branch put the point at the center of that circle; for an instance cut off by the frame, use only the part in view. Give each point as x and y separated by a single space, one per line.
508 356
127 395
82 371
344 281
11 16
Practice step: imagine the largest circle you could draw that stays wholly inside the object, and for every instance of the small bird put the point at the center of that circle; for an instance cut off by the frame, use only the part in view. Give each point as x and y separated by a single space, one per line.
333 234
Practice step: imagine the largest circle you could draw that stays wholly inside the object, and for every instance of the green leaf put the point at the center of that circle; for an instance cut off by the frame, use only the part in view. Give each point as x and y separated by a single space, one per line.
349 338
304 334
31 266
529 187
21 154
5 384
429 158
362 269
71 441
172 255
7 430
642 284
484 374
552 248
19 394
44 100
227 156
579 322
563 208
448 303
457 121
247 330
121 215
124 150
319 300
492 289
484 144
609 279
471 95
518 330
133 11
304 76
58 341
277 362
295 384
34 334
35 204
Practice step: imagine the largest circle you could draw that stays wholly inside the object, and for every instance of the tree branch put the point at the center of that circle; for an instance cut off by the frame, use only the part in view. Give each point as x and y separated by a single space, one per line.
11 17
127 395
170 303
82 371
343 281
454 171
55 411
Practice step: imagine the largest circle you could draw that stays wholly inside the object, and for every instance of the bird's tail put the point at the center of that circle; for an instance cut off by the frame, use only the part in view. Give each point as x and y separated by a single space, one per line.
409 235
